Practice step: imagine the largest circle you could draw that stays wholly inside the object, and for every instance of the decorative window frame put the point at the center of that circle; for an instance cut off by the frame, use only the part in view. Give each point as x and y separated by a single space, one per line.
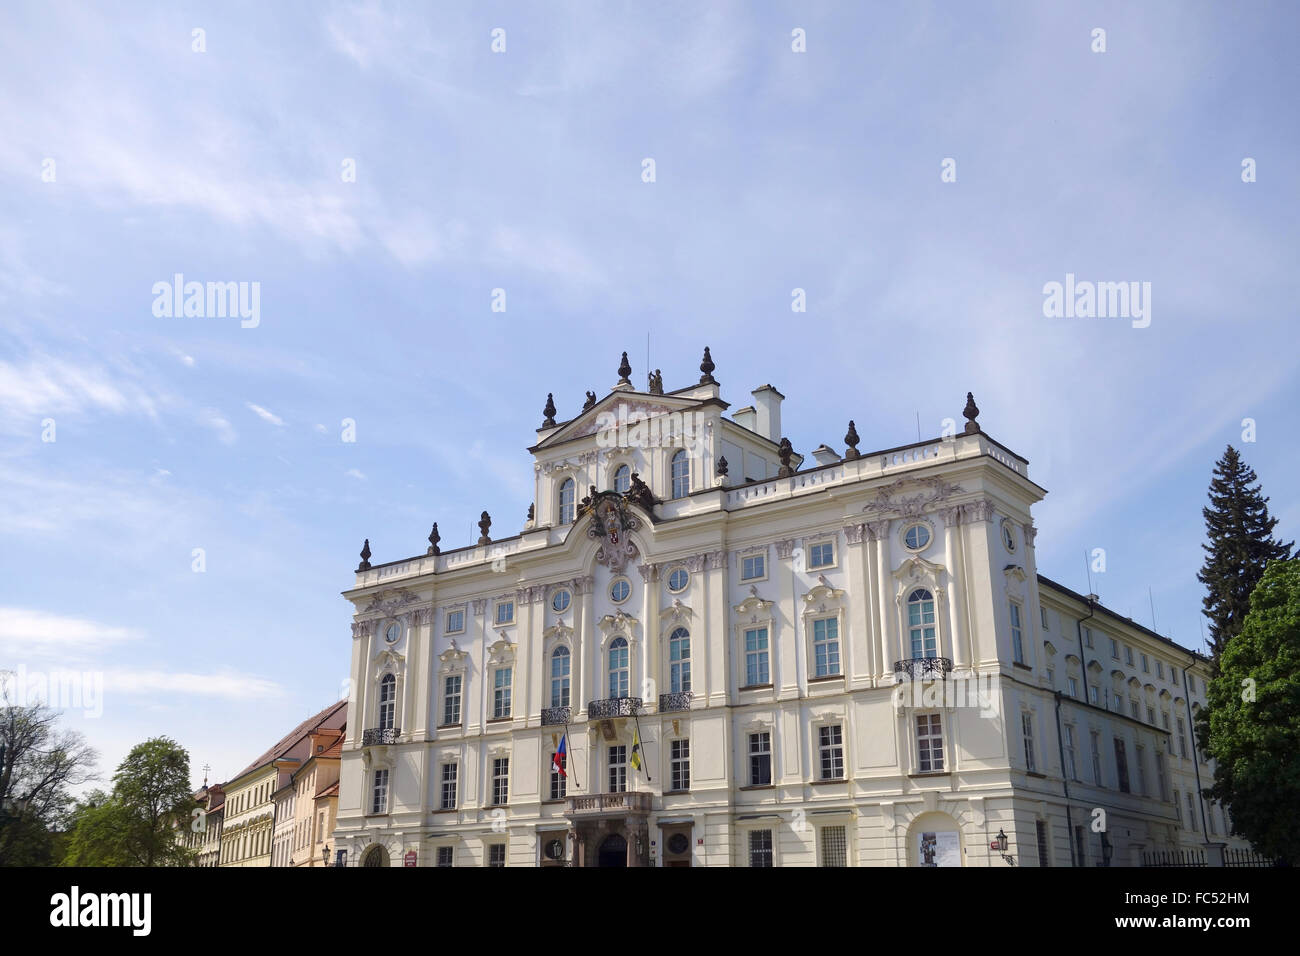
827 718
453 662
945 740
514 611
559 635
916 572
668 573
1007 528
452 757
554 591
760 723
464 618
1017 591
907 524
621 460
772 823
386 662
500 656
833 539
692 470
759 550
754 612
823 601
610 590
611 626
567 470
560 482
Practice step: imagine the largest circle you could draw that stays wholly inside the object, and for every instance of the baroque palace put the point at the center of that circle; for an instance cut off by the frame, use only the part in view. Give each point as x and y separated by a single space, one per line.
705 649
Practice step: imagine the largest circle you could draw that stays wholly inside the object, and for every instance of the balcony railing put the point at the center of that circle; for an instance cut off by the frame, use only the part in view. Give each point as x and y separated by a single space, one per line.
679 701
614 707
379 735
612 804
923 668
556 715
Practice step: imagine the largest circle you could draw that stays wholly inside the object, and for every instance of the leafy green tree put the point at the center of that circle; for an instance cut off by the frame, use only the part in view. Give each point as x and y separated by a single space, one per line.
142 822
39 765
1241 543
1251 722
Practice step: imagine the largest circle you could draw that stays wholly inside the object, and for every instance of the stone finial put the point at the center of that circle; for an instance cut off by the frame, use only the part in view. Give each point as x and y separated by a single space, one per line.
785 451
707 368
484 525
970 412
624 370
656 382
532 513
434 538
851 440
590 402
549 411
721 467
365 557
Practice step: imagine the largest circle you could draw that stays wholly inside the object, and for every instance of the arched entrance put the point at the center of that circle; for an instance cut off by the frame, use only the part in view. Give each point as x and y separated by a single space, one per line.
935 839
613 851
375 856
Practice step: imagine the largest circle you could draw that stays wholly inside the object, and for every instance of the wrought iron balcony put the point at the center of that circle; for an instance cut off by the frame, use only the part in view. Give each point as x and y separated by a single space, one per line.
379 735
609 804
614 707
923 668
556 715
679 701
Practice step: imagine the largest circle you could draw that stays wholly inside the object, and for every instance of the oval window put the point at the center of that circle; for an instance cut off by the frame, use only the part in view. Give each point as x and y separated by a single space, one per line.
916 537
619 590
677 580
560 600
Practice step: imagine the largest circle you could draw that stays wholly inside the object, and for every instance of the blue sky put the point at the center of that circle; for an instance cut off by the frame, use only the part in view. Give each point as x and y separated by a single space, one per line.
521 171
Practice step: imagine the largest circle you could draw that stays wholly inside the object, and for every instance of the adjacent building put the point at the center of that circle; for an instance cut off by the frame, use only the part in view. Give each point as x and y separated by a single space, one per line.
704 649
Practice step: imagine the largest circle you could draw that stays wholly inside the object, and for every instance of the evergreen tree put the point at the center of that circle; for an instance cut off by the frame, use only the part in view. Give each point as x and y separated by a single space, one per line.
1241 543
1251 722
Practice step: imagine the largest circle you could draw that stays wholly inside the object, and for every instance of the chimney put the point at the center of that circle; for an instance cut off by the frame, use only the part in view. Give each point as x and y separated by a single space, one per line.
767 417
744 417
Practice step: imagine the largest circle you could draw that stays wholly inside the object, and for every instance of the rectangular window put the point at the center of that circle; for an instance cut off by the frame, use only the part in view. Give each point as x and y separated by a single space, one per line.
1178 807
1173 674
501 692
444 855
1140 758
506 612
1073 686
379 793
447 799
1051 677
756 659
929 743
1087 637
1151 716
451 700
1191 683
679 765
1027 731
496 854
1094 695
1128 655
1160 774
834 846
1043 612
1146 668
752 567
831 747
1040 831
1114 648
455 621
826 646
1017 641
500 781
1071 765
821 555
1164 718
1079 846
760 848
1133 709
1160 669
559 783
1182 738
618 768
760 759
1096 758
1121 766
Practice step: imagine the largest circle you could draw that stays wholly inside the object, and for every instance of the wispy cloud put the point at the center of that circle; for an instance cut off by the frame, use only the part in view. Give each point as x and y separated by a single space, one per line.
213 419
28 631
228 685
264 414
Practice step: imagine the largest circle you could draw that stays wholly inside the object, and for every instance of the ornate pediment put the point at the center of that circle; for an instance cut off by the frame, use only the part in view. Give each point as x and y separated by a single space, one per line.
502 652
915 570
754 605
618 622
388 660
612 522
677 612
453 658
389 602
821 596
559 631
891 498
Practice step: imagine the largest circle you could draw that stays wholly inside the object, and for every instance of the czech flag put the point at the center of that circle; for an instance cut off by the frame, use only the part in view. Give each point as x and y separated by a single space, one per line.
561 752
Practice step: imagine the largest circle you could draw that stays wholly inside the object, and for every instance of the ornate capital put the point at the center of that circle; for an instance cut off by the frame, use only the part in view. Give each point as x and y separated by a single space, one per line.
853 533
878 530
422 616
479 605
785 548
362 629
716 560
951 515
649 572
981 510
695 563
1030 533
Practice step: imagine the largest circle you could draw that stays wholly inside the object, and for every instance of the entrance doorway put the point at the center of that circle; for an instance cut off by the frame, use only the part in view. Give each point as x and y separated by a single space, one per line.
613 851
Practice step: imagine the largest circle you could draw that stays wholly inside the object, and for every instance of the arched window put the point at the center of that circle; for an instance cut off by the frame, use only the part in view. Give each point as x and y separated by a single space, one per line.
920 623
387 701
622 479
679 661
567 492
560 677
681 475
618 668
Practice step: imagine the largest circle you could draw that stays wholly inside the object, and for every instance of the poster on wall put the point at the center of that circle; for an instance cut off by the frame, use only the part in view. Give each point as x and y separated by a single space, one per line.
939 849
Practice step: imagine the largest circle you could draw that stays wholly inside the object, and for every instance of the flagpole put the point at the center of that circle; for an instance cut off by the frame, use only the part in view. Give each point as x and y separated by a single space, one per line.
645 763
568 748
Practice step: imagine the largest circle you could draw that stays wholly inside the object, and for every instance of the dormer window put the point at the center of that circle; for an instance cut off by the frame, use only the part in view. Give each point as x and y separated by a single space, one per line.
681 471
568 491
623 479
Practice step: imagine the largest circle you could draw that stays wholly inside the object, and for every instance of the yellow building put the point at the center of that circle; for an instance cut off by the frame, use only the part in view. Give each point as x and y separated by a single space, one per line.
315 799
249 822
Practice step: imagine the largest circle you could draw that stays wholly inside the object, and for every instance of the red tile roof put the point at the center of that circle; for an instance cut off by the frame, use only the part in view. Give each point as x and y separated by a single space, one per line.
331 791
296 742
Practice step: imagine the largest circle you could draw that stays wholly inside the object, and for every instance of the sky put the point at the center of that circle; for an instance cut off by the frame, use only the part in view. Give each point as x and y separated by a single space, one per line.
179 508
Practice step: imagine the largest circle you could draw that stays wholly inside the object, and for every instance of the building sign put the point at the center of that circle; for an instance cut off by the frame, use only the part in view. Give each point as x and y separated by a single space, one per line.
409 859
939 849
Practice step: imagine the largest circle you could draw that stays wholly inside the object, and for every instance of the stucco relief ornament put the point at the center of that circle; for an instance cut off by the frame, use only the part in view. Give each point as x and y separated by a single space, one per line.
887 499
388 601
611 524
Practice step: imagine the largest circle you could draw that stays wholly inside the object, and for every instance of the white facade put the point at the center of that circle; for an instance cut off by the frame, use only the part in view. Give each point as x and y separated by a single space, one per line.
758 626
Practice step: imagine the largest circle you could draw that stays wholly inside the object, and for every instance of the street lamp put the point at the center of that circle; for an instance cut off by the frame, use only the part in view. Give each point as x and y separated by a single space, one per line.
325 855
1000 844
